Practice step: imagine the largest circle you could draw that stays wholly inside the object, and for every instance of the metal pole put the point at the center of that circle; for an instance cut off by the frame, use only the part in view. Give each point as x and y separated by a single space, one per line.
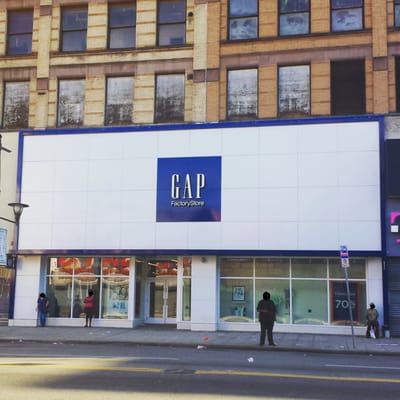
350 308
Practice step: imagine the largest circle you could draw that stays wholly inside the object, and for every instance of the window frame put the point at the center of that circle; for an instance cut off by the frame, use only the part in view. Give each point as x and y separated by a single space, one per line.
161 119
294 113
82 114
334 93
64 32
23 33
17 125
255 281
122 28
397 82
178 24
396 13
244 17
347 7
107 104
293 13
238 116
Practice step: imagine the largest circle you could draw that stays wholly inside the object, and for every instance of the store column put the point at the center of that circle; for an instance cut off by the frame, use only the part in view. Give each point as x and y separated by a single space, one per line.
204 293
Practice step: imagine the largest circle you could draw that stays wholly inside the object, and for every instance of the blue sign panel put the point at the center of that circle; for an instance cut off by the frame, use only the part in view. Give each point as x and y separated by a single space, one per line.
189 189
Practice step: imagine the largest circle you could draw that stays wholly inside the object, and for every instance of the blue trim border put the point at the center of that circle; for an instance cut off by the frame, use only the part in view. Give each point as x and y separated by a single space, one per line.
216 125
195 252
201 125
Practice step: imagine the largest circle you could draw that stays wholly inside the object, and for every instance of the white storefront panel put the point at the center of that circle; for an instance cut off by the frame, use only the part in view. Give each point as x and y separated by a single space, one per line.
205 192
293 187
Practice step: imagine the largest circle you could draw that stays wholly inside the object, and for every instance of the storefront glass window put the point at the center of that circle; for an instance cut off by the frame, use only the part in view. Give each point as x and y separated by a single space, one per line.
236 267
310 303
69 280
139 288
237 300
355 271
280 295
301 289
187 289
339 303
272 267
309 268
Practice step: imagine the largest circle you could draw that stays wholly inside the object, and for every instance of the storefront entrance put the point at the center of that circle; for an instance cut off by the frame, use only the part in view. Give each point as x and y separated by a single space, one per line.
161 301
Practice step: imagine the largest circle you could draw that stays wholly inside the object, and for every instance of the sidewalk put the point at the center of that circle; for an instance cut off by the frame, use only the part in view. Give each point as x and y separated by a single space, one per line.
170 336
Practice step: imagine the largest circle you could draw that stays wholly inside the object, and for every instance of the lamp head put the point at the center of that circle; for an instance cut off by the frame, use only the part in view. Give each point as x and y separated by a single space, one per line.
17 209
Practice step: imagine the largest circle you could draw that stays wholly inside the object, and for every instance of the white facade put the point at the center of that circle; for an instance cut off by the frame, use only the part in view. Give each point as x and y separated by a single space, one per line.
293 188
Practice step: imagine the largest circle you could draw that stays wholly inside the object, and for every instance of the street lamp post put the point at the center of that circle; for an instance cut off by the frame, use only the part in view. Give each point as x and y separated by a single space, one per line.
13 255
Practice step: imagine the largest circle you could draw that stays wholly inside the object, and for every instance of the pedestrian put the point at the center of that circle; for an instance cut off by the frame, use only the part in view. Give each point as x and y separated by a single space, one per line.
89 308
42 308
76 308
266 315
372 322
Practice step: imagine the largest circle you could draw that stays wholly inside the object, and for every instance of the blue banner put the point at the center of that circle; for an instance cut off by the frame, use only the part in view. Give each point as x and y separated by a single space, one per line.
189 189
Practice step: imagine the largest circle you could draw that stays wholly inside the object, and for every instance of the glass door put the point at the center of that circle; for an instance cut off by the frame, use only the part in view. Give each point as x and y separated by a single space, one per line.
161 301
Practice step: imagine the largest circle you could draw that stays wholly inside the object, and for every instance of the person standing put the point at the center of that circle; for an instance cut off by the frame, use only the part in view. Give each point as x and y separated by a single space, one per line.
76 308
372 321
267 316
42 308
89 308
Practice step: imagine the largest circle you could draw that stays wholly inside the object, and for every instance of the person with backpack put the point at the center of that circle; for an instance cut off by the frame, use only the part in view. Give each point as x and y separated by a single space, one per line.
372 322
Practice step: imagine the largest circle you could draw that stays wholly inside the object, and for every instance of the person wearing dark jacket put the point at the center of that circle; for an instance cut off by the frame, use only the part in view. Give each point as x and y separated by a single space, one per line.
266 315
42 308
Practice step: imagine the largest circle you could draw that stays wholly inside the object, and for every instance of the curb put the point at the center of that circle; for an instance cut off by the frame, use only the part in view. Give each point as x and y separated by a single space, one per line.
253 348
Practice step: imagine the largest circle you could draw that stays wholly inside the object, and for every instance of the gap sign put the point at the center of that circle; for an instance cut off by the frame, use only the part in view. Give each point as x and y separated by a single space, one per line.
189 189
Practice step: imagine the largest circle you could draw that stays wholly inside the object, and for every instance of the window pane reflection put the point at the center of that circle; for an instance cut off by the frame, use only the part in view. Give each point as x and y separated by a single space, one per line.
242 93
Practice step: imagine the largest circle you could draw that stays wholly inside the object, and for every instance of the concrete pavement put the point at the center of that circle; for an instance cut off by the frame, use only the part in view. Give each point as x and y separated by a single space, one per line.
170 336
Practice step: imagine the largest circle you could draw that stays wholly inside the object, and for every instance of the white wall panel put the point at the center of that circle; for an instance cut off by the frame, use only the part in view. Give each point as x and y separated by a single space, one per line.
279 235
318 169
278 170
279 204
239 235
294 187
318 204
71 175
279 140
206 234
138 206
234 200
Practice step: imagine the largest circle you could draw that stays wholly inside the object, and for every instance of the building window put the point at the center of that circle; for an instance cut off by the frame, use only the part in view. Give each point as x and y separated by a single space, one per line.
243 19
71 95
397 13
74 29
16 105
397 77
346 15
69 280
306 291
122 26
170 98
119 107
294 91
171 22
242 94
348 87
19 32
294 17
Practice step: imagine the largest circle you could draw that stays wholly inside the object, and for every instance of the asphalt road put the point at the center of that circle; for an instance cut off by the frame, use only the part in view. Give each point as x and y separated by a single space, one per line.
31 371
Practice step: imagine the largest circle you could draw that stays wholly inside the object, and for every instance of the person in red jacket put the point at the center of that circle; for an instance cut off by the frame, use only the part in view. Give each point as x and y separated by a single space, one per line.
89 308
